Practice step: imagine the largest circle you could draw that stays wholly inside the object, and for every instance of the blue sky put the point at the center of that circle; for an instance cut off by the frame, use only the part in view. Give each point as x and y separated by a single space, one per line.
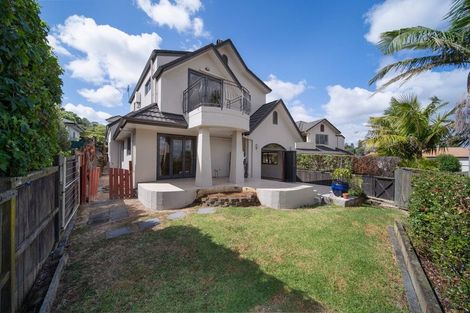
317 55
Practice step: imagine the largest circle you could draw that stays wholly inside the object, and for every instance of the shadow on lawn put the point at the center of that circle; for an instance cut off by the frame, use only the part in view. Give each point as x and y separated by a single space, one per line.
177 269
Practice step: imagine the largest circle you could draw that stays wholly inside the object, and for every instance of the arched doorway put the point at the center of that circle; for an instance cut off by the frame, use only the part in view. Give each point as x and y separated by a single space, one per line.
272 161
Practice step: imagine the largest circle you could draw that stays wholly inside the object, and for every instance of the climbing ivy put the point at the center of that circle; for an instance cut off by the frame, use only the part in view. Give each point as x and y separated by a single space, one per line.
30 90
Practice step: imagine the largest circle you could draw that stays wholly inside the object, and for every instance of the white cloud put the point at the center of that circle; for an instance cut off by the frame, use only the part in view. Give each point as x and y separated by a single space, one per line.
57 47
176 14
395 14
87 112
350 108
109 54
284 89
107 95
300 112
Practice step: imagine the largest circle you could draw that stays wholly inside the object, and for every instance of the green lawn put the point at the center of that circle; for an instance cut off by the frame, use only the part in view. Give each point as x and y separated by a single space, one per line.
241 259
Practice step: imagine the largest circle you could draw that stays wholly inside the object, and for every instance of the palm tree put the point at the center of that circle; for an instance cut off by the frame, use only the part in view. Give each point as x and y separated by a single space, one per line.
407 130
450 47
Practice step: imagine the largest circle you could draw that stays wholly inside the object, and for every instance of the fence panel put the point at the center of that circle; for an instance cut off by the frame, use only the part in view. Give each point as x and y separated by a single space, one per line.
7 249
403 177
69 188
120 183
379 187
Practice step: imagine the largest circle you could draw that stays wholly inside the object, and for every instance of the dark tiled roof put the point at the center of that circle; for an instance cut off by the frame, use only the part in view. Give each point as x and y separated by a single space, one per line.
264 110
151 114
260 114
303 126
326 149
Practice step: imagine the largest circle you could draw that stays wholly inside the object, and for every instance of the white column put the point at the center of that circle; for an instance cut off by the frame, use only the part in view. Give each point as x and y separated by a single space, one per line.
204 164
236 162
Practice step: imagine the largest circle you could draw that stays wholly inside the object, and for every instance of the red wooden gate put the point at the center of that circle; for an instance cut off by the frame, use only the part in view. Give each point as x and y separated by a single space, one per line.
89 174
120 183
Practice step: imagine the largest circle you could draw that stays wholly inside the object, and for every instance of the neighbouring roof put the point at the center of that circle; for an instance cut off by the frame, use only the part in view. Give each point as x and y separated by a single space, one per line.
151 115
306 126
325 149
458 152
72 124
264 110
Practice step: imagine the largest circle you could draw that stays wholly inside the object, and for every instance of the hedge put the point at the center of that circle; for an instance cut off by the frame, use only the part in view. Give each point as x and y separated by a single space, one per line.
439 223
361 165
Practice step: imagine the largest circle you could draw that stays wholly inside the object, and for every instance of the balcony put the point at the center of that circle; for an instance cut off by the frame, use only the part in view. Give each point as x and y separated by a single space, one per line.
210 92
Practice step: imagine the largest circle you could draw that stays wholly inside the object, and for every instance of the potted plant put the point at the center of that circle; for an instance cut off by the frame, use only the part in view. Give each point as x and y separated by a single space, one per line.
341 178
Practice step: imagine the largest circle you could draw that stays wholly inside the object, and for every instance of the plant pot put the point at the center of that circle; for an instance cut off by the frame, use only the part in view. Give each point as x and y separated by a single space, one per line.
339 188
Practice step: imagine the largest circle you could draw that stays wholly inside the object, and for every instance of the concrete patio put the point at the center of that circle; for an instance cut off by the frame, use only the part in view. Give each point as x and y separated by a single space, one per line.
180 193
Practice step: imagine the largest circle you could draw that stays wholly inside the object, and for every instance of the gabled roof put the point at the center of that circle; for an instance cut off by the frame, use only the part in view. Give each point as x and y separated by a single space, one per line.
192 55
151 115
229 42
152 57
72 124
306 126
264 110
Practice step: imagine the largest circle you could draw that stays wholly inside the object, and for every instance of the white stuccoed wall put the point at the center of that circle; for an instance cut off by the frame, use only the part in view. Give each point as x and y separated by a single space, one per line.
284 134
146 155
220 155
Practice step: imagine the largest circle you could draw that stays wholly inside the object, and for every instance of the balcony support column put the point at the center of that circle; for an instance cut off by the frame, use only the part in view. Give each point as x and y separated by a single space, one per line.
236 162
203 164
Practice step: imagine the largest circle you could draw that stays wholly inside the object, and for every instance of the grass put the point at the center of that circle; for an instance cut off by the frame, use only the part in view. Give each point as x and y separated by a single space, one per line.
238 260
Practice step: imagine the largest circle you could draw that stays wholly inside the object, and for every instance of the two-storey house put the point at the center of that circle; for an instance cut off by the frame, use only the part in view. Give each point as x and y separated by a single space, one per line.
202 115
321 137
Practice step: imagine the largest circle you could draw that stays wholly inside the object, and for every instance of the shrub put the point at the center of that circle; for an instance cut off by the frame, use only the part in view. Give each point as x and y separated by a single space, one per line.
342 174
422 164
323 162
30 90
439 220
375 165
448 163
355 187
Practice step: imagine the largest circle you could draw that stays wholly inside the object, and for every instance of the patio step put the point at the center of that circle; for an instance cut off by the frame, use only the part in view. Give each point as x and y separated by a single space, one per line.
237 199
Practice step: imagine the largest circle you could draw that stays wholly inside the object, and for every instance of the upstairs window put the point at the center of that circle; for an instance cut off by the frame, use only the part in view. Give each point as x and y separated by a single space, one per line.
322 128
321 139
275 118
147 86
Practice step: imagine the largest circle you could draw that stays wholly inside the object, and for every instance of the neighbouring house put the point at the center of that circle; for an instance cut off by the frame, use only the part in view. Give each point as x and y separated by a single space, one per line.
73 130
459 152
321 137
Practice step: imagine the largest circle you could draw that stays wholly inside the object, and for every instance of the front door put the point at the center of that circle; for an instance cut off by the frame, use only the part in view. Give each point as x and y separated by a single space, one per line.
176 156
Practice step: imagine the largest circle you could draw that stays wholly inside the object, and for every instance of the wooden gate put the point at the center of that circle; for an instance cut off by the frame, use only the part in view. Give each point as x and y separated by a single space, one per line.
120 183
89 174
379 187
7 248
403 177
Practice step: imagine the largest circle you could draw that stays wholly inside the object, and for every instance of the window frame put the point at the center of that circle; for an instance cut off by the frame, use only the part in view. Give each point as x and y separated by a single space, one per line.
270 157
275 118
318 141
148 86
128 146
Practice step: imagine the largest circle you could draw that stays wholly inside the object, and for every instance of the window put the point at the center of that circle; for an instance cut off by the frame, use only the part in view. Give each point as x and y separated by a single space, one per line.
322 128
275 118
321 139
147 86
269 158
176 156
128 146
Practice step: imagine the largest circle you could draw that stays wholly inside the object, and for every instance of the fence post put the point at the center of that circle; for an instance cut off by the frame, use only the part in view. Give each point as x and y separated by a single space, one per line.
13 253
63 180
131 187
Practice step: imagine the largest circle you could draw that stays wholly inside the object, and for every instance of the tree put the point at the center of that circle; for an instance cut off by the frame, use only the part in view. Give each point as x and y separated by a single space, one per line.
30 90
407 130
450 47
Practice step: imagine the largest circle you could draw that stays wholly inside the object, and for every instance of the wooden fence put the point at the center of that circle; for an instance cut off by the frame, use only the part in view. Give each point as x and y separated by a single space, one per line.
120 183
36 228
314 177
7 248
403 177
90 174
